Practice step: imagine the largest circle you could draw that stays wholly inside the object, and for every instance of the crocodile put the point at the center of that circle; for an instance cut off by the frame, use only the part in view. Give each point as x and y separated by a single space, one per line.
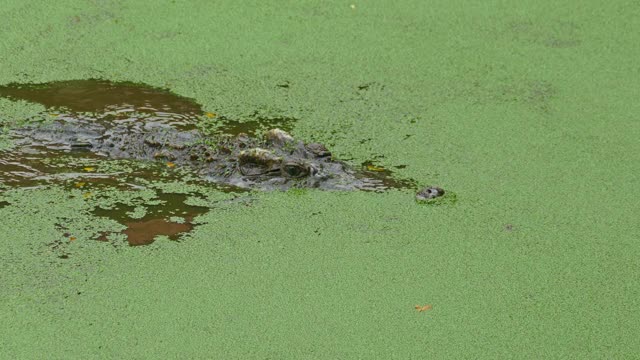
273 161
124 120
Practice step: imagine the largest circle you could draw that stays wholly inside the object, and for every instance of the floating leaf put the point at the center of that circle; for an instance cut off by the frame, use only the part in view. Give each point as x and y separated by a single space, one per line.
89 169
79 184
170 164
371 167
72 238
422 308
210 115
87 195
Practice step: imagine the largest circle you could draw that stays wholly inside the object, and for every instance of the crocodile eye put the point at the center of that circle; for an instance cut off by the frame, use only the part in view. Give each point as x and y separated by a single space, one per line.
294 170
252 169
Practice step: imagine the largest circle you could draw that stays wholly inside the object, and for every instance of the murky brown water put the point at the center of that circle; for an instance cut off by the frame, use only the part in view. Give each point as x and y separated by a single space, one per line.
99 96
126 101
157 220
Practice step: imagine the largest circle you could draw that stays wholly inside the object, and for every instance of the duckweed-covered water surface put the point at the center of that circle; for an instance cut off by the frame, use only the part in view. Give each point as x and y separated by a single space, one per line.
525 111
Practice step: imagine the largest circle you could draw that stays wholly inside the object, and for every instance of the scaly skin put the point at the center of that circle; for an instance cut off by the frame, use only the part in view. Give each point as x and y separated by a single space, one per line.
274 162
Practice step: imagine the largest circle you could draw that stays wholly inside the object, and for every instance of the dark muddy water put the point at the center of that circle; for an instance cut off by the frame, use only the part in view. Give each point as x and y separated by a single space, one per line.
100 96
157 220
126 101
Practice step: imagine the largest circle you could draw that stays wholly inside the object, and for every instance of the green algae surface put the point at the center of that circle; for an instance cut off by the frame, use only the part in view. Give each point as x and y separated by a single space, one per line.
526 111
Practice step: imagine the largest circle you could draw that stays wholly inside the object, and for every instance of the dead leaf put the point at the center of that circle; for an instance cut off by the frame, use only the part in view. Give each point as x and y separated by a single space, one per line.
422 308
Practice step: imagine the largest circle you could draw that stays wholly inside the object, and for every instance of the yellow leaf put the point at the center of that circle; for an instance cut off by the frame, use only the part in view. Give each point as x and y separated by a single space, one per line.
73 238
374 168
89 169
87 195
79 184
170 164
210 115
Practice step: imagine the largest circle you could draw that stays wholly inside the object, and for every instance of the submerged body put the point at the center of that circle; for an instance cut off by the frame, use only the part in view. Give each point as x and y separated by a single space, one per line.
275 161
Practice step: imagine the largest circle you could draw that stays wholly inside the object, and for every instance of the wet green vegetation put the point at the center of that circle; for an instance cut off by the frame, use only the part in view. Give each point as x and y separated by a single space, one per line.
524 112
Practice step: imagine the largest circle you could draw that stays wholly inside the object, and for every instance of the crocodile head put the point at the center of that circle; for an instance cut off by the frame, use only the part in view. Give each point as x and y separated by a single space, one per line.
280 162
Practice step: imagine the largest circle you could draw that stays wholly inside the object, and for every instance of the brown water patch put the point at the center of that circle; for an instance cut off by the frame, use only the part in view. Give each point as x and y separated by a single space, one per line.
103 100
157 221
123 101
95 95
144 232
